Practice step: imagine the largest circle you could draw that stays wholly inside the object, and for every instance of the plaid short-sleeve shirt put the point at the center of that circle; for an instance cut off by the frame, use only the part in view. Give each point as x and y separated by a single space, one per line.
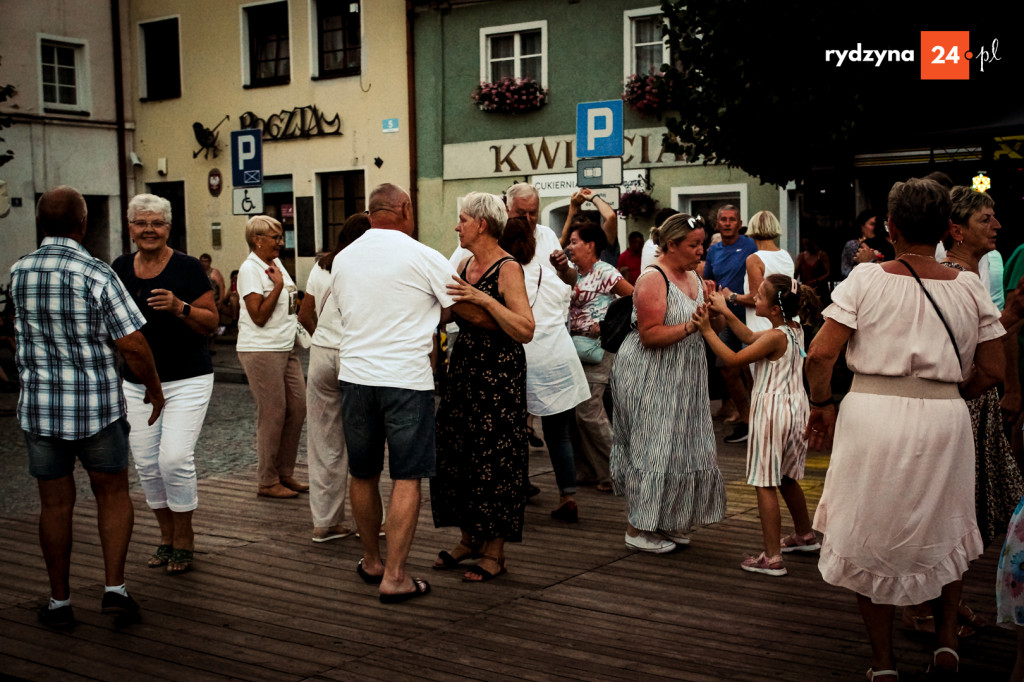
69 307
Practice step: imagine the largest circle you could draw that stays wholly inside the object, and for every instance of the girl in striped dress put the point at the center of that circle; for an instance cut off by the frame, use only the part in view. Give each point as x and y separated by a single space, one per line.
776 449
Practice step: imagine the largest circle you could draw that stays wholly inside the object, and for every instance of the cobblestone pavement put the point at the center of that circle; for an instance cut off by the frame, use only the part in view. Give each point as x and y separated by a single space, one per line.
227 443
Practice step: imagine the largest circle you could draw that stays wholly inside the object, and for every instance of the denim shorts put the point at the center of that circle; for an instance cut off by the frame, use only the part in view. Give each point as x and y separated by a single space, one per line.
401 417
106 451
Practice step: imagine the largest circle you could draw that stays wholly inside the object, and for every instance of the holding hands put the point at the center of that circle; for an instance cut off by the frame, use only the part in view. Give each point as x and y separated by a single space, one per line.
701 319
463 291
559 261
717 302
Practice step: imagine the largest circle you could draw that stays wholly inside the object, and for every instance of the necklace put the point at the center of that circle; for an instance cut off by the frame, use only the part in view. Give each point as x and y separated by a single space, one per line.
919 255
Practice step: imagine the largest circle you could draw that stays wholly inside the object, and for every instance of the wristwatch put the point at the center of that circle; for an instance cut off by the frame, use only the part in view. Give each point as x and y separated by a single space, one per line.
732 298
186 310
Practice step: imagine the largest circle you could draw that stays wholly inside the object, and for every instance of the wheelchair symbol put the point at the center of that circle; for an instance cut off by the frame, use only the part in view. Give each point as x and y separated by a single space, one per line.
247 205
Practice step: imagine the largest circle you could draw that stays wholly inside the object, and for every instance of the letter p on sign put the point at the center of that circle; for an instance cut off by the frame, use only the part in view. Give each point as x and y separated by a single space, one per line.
247 158
599 129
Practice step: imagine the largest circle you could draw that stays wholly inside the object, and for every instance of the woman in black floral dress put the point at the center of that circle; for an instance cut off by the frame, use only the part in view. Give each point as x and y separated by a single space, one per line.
482 444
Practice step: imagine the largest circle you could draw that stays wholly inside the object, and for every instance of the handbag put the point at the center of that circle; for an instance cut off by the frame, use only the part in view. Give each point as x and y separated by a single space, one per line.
588 349
619 320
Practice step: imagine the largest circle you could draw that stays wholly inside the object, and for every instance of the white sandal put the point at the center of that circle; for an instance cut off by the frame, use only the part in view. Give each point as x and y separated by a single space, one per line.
872 674
944 650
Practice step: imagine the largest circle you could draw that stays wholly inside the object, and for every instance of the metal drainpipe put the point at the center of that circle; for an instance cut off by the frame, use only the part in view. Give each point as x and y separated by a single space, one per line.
122 150
411 75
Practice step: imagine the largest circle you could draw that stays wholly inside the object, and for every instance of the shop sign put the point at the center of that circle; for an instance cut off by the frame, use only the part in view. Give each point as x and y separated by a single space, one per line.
642 148
299 123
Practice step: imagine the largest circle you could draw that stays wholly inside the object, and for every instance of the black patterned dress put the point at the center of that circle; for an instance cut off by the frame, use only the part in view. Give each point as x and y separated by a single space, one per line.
482 447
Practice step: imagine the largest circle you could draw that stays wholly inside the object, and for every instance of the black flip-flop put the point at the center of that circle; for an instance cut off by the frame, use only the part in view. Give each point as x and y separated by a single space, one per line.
420 588
448 560
367 578
484 574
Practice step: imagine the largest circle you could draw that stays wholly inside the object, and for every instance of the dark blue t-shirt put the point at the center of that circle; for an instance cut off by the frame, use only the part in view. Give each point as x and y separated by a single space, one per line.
179 352
727 265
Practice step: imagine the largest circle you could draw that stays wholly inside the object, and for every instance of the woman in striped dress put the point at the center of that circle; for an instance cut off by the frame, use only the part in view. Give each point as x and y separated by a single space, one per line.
663 456
776 449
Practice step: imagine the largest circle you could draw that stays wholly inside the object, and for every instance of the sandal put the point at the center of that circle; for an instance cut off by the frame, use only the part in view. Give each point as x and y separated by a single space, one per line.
181 562
926 624
161 557
483 574
446 560
968 617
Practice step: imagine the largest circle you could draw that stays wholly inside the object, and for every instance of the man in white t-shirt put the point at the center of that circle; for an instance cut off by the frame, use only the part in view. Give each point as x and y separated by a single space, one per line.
390 291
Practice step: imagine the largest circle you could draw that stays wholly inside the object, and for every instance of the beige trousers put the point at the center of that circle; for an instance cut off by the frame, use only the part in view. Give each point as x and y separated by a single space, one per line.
277 386
593 428
325 440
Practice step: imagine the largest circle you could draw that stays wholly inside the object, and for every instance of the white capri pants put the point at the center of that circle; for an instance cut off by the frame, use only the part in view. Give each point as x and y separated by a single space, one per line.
163 451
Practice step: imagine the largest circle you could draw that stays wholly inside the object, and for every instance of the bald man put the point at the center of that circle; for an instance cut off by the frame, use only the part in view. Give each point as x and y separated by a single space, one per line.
69 309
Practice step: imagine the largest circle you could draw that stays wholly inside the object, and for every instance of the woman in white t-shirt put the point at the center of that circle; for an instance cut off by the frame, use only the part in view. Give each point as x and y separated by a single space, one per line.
266 350
325 438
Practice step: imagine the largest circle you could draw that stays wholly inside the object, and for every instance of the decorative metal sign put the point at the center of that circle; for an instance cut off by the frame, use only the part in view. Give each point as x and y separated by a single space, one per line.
297 124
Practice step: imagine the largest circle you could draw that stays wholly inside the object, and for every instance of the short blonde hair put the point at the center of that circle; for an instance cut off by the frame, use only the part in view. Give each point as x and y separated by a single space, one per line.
259 225
674 230
486 207
764 225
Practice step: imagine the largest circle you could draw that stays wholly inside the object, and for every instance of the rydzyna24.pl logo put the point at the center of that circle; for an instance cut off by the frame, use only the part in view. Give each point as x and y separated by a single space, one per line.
945 55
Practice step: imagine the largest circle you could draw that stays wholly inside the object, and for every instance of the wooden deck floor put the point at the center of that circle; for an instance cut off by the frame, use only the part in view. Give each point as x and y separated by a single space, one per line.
266 603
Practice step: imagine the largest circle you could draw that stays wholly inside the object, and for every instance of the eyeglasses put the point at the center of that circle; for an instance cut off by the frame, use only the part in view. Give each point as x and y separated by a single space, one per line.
158 224
276 236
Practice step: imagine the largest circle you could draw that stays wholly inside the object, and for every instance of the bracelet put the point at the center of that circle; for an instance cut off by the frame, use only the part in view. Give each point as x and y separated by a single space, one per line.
823 403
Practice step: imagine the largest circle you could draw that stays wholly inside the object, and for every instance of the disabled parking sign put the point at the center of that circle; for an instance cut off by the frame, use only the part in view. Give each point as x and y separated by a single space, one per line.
599 129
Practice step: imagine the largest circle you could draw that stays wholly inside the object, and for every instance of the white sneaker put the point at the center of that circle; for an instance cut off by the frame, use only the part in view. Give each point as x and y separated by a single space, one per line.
649 542
675 536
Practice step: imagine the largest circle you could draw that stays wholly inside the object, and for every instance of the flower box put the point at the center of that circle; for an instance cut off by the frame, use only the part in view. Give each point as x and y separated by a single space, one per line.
510 96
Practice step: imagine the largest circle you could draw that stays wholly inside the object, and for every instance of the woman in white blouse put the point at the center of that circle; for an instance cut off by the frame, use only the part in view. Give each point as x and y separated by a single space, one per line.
266 350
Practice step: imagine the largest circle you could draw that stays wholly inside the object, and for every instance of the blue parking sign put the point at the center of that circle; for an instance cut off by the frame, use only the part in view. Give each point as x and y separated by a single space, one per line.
599 129
247 158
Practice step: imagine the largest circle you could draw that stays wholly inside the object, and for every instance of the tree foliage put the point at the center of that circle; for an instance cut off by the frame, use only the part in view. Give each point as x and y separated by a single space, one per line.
6 92
754 90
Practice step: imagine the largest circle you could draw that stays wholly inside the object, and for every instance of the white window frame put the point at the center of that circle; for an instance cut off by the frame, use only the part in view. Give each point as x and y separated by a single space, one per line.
314 40
681 196
628 17
485 47
243 24
143 85
83 89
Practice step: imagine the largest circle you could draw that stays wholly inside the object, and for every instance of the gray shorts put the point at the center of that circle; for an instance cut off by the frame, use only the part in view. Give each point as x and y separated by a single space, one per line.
730 340
106 451
401 417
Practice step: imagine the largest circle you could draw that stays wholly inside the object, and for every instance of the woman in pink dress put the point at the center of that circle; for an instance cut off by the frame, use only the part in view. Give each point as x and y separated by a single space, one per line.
897 509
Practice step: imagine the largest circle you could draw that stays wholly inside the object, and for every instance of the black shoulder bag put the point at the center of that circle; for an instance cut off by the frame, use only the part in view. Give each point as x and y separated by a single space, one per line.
619 320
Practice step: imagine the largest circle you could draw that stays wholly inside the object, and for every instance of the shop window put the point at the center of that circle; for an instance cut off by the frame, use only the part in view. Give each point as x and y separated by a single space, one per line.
63 75
266 33
341 195
514 51
646 46
160 70
339 38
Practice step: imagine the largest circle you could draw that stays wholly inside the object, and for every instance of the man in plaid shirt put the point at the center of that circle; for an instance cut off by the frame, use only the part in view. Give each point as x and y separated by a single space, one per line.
71 313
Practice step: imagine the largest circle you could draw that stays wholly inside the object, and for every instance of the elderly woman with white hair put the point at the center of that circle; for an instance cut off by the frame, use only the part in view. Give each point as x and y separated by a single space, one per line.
173 293
267 323
482 445
769 259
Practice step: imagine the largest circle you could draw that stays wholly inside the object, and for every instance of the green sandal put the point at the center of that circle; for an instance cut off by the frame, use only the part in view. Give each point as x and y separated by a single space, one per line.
183 559
161 557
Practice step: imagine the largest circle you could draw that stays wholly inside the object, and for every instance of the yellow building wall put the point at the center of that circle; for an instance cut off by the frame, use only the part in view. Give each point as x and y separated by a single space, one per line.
211 43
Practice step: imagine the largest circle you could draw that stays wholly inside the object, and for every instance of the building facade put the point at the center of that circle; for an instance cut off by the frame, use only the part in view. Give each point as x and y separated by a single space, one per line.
578 52
67 124
326 82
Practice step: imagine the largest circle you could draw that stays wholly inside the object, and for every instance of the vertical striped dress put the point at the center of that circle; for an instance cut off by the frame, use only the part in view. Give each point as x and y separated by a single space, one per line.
778 416
664 459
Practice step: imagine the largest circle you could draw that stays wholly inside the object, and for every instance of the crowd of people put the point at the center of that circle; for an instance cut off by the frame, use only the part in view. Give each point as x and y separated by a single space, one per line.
916 319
